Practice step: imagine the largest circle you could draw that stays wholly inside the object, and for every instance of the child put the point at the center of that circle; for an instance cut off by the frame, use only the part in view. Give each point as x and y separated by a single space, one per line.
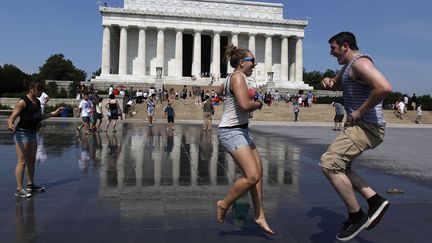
130 108
99 113
208 112
151 104
169 115
85 110
296 110
93 119
419 114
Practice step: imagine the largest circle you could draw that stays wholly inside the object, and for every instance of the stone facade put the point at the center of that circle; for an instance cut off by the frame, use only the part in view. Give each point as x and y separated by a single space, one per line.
182 42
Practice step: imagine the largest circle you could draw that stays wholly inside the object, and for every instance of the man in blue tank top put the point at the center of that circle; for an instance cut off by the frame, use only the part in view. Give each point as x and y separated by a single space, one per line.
364 88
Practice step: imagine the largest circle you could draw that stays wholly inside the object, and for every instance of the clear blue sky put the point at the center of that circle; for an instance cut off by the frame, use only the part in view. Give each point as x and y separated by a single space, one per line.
396 33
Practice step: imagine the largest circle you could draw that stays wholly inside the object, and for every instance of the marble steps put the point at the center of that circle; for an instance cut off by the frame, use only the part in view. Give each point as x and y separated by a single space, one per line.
187 110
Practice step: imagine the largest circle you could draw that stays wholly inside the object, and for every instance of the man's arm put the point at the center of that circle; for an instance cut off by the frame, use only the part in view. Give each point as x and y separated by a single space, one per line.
365 72
335 83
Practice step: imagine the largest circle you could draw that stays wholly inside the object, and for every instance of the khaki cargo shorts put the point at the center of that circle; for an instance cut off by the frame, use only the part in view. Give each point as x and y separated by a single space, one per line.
349 144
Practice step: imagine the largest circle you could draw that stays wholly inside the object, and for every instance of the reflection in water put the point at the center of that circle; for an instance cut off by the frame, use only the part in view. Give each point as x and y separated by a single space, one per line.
41 153
88 151
110 159
25 220
153 157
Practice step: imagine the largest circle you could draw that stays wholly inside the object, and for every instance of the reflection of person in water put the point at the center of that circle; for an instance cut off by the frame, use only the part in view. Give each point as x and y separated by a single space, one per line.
25 221
83 153
41 153
111 159
170 141
112 144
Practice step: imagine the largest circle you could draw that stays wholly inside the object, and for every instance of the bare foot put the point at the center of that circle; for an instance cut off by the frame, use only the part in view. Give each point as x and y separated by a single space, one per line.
221 212
264 226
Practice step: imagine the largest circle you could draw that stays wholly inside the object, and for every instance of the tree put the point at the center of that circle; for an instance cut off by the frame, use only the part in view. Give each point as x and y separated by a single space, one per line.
11 79
57 67
97 73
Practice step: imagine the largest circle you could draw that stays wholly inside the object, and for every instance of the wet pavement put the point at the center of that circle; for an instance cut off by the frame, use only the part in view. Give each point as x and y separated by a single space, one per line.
145 184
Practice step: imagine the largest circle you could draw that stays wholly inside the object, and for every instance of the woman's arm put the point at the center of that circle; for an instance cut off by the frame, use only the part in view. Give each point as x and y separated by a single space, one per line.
53 113
19 106
240 89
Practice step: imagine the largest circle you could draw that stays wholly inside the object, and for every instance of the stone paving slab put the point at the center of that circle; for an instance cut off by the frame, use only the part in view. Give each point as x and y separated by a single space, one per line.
148 185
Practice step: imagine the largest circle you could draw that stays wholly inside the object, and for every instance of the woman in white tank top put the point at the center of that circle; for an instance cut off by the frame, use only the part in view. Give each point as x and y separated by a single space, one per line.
234 136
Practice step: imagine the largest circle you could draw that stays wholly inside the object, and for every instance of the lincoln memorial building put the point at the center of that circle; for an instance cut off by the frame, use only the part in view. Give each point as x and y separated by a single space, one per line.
151 42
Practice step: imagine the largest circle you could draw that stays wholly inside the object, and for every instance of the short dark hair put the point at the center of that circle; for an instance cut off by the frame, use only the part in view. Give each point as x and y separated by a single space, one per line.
345 37
112 96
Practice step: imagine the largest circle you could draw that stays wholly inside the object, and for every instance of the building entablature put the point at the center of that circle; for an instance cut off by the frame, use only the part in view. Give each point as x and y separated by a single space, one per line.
203 16
207 25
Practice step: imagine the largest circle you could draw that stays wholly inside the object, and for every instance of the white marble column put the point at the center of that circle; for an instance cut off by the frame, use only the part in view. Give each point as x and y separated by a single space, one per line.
284 58
160 49
268 54
141 51
252 48
106 51
196 62
291 55
299 59
216 54
179 53
234 41
251 44
123 51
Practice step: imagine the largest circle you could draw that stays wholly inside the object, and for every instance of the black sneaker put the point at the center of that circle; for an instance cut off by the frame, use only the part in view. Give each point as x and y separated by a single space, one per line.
33 187
376 212
351 230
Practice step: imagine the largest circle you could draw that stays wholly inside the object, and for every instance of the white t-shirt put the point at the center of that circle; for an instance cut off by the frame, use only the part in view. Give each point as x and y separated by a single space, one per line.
110 90
406 100
85 107
401 106
43 99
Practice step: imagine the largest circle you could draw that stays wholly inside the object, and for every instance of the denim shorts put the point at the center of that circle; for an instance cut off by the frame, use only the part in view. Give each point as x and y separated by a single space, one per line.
24 136
234 138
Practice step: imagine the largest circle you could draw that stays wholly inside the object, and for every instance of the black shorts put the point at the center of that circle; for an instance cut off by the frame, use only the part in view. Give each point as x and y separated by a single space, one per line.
170 119
86 119
99 116
338 118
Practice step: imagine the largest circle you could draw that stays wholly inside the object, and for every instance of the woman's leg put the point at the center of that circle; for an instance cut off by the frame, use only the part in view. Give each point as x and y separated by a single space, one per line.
21 152
257 197
108 124
31 160
245 159
114 125
99 124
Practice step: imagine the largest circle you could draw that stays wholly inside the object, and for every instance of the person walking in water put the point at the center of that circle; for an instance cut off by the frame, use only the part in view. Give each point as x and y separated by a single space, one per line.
113 112
364 88
233 135
28 109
